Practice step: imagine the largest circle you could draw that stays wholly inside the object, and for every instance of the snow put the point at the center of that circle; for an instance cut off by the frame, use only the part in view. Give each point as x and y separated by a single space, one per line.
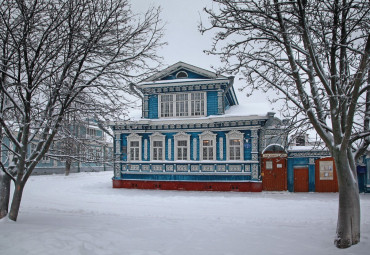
82 214
178 81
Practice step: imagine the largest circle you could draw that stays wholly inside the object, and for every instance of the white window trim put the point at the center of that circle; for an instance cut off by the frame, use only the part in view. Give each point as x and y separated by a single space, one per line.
174 105
157 137
235 135
207 135
221 146
180 137
132 138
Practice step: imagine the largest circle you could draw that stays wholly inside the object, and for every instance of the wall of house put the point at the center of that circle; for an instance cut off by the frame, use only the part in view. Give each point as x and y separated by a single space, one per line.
153 107
194 137
212 103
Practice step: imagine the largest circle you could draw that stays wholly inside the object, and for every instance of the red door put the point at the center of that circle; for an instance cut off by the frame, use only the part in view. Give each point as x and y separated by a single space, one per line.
301 179
274 174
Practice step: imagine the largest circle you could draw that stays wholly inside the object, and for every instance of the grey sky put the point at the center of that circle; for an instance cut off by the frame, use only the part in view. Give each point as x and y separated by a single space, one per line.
186 44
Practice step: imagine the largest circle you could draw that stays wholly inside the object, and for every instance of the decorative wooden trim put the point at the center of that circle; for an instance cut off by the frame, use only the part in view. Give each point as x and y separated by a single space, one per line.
157 137
207 135
234 134
182 136
133 137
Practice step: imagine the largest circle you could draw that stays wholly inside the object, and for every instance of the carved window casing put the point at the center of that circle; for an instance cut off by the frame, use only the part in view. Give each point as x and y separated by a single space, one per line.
134 147
207 146
157 146
182 146
234 145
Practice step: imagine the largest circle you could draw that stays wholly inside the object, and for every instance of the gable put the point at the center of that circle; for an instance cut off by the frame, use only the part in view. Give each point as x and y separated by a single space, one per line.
184 74
174 71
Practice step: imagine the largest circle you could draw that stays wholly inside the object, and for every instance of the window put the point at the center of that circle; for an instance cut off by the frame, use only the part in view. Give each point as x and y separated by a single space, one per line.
269 165
182 104
90 155
235 148
157 146
134 150
182 146
182 150
207 146
197 104
166 105
157 150
91 132
134 147
181 75
300 140
208 149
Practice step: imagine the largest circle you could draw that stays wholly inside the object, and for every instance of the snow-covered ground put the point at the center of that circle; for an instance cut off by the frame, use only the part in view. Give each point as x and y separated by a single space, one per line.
82 214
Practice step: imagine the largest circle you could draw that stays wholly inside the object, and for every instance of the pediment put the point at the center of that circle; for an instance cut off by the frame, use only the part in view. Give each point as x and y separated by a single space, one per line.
183 71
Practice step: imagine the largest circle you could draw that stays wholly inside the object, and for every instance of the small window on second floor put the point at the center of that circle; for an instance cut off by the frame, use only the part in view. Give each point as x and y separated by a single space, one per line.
300 140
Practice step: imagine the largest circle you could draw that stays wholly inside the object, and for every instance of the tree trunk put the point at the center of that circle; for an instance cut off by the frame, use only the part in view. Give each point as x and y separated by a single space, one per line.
349 215
16 202
4 194
68 167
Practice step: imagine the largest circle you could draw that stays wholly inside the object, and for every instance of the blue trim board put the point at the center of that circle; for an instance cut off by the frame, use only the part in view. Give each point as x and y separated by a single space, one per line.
184 177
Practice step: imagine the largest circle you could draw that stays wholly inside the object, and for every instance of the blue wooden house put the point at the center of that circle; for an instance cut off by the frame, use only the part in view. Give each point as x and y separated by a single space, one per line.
186 139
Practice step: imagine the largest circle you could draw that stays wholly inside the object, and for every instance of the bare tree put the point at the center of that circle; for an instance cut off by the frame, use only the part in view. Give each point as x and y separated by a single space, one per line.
315 54
57 50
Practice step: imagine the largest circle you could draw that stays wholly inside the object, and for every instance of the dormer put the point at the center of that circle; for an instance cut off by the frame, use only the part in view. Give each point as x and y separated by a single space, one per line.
186 91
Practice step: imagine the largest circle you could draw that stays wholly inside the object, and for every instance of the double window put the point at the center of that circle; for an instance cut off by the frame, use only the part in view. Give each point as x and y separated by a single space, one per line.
207 146
157 143
207 149
182 146
182 104
134 150
134 147
157 150
182 150
234 149
235 145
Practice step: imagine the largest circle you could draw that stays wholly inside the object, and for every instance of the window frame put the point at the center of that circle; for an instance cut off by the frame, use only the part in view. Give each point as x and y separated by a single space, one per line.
156 137
181 136
133 137
174 105
235 135
207 135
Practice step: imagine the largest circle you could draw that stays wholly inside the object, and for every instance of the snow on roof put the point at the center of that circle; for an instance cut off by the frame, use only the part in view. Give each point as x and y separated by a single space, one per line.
180 81
305 148
252 109
135 114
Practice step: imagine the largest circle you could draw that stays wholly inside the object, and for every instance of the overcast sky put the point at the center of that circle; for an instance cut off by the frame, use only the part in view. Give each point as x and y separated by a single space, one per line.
186 44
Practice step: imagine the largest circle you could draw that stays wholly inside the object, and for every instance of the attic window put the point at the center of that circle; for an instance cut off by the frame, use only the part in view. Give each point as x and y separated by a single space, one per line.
181 75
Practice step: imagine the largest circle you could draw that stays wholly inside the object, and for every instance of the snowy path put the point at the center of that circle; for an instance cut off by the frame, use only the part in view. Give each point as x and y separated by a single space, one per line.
82 214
